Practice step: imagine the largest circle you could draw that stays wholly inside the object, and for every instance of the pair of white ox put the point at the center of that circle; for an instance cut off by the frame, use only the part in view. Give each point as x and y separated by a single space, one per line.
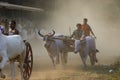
10 47
55 46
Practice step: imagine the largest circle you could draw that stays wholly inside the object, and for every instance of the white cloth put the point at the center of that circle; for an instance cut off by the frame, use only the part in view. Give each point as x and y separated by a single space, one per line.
77 45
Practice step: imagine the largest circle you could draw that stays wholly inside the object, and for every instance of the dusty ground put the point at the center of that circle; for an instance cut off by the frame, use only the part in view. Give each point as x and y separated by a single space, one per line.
68 72
43 68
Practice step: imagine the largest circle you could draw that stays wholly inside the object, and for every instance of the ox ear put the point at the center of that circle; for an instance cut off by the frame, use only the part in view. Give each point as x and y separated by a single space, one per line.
40 34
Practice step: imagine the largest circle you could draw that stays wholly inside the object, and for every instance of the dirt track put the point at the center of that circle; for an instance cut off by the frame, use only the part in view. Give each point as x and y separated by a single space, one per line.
43 68
72 71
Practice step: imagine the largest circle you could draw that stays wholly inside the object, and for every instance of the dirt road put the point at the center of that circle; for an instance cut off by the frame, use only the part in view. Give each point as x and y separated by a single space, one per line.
68 72
44 70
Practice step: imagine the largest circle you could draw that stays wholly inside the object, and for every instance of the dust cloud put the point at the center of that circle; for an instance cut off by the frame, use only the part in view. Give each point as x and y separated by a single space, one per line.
103 16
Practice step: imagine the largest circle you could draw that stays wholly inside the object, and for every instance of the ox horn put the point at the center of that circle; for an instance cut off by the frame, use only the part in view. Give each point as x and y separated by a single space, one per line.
53 33
40 34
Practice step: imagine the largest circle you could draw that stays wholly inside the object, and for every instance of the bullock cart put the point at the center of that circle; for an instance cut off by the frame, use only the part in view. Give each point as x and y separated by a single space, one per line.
85 47
69 43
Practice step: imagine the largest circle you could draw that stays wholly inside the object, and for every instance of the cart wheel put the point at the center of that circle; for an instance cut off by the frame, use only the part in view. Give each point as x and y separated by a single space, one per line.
28 63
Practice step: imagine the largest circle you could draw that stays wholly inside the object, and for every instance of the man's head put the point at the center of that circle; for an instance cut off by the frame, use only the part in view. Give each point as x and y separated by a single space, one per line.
78 26
85 20
12 24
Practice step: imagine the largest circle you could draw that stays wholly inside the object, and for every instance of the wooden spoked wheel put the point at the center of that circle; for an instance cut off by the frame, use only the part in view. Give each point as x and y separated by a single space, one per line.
28 63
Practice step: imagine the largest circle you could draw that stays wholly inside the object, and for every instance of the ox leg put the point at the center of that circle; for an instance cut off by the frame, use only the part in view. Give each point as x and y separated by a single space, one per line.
93 57
52 60
21 70
65 56
3 62
62 59
57 60
21 63
83 57
61 56
13 70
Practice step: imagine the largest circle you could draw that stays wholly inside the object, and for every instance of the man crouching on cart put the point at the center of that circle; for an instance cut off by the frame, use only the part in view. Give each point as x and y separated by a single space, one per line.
78 35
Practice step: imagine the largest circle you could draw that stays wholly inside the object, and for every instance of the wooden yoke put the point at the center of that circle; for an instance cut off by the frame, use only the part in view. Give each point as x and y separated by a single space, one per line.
66 40
69 43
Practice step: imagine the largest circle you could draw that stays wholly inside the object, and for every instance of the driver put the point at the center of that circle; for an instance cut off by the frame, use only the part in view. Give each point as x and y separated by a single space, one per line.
78 35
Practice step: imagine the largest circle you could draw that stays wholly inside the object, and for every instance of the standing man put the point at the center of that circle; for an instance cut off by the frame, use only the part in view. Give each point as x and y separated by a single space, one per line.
86 28
78 35
13 30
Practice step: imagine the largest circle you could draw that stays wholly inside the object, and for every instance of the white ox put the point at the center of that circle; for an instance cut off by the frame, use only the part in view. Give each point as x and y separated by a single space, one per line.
55 47
11 47
89 48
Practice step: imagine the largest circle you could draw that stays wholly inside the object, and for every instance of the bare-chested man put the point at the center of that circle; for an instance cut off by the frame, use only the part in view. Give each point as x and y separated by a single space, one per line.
86 28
